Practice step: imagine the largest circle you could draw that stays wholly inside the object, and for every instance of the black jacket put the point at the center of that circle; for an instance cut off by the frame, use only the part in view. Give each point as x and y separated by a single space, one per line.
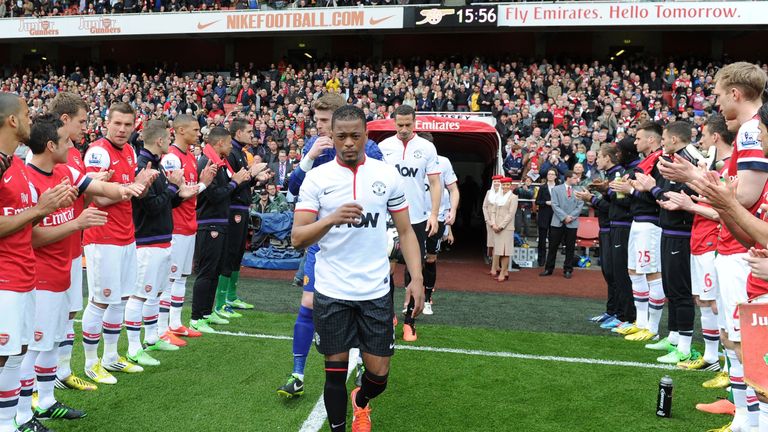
643 206
153 213
213 202
241 196
544 215
673 223
602 208
619 213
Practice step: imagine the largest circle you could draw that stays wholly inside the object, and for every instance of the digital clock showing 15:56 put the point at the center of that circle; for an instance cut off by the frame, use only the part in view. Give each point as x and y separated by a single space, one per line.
480 16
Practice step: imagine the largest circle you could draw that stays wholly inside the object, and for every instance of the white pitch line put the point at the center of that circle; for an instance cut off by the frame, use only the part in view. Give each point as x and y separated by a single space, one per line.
503 354
481 353
317 416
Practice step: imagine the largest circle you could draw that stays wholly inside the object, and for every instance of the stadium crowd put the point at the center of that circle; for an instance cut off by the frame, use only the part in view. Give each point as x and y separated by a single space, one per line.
42 8
565 106
600 129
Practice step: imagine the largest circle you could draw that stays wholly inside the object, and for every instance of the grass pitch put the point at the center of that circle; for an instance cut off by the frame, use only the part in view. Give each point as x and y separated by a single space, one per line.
228 382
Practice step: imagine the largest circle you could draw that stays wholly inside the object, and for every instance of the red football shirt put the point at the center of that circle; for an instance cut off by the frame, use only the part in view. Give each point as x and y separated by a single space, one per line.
16 256
756 286
52 258
119 229
74 160
747 155
184 216
705 231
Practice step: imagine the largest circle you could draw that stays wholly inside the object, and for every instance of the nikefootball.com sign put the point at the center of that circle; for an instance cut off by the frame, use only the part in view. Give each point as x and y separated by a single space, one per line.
583 14
204 22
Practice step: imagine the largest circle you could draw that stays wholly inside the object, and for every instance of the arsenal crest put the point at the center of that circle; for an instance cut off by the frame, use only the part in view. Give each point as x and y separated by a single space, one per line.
238 218
148 288
214 234
38 336
4 338
107 292
174 268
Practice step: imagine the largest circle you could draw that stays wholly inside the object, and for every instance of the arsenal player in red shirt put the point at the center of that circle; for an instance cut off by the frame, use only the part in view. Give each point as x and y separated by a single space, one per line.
20 209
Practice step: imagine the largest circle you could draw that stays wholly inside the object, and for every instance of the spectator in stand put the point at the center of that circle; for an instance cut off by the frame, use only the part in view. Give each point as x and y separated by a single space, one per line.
282 169
277 201
513 163
544 213
524 192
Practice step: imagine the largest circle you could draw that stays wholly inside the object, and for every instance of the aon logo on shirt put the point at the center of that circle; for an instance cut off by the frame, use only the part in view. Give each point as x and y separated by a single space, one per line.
367 220
407 171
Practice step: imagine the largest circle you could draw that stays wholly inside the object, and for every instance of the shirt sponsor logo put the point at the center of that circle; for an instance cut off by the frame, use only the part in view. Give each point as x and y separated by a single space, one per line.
407 171
59 218
367 220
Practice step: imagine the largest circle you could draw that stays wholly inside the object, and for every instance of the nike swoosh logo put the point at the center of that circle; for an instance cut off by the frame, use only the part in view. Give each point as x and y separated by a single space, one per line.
675 252
115 162
201 26
7 179
617 246
375 21
334 426
328 192
392 346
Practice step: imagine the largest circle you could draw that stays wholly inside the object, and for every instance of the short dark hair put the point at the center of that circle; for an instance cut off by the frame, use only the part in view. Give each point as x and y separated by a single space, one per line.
404 110
681 129
183 119
715 124
237 125
570 173
122 108
216 134
348 113
763 114
10 104
153 130
651 127
67 103
627 151
45 128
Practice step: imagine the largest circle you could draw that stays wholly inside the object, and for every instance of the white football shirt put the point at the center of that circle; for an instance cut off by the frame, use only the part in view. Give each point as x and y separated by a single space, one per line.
353 263
414 161
447 178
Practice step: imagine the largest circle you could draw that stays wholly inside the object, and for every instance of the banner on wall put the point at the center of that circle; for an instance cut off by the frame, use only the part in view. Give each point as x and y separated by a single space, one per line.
618 14
315 19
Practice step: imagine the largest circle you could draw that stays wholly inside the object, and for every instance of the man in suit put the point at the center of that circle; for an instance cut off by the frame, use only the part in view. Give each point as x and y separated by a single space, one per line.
566 208
282 168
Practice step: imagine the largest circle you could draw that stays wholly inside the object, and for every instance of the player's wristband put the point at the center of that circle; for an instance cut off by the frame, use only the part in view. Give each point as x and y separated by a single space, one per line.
306 163
200 187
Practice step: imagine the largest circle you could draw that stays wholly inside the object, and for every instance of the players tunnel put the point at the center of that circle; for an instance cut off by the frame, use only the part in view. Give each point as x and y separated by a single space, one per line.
472 145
